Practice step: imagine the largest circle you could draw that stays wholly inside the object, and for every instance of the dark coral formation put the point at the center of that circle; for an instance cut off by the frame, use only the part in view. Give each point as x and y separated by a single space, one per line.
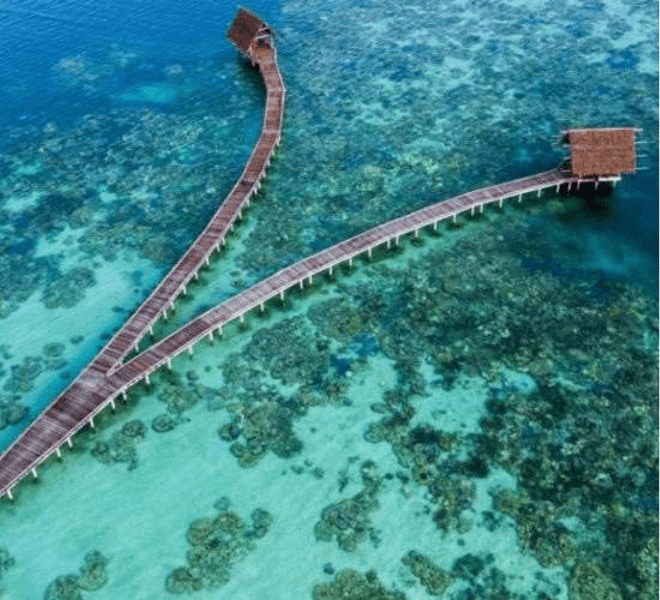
348 519
216 544
259 428
92 577
122 445
6 561
302 357
590 582
21 379
67 289
349 584
432 577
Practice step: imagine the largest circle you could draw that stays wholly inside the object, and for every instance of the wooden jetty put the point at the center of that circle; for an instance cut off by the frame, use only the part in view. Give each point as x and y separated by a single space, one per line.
78 405
264 55
252 37
107 377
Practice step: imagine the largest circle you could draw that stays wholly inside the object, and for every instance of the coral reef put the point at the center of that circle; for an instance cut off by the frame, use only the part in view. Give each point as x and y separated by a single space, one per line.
264 426
121 447
590 582
349 584
432 577
163 423
348 519
68 288
92 577
6 561
22 376
581 443
216 544
303 355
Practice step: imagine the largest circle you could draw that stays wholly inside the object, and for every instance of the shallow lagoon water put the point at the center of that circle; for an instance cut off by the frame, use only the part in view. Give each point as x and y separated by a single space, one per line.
499 375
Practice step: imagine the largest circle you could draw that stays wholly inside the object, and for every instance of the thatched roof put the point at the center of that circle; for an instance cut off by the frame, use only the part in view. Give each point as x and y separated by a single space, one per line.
602 151
245 27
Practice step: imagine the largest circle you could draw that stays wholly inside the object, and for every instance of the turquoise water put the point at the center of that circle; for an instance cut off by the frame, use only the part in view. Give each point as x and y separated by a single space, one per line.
473 415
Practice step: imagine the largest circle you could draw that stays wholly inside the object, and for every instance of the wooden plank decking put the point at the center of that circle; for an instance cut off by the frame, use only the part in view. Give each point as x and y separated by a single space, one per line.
81 402
213 236
77 405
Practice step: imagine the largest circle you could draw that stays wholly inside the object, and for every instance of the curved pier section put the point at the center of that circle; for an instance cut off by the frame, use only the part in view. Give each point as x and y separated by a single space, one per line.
80 404
163 297
304 271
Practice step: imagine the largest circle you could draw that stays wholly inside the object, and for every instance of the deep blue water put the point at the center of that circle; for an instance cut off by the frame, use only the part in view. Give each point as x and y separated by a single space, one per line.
36 34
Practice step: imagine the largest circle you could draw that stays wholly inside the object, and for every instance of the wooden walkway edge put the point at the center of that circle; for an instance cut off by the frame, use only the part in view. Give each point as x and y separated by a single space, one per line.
81 402
212 238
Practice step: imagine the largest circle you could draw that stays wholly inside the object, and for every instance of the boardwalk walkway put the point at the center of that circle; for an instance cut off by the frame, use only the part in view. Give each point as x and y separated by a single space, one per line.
77 404
163 297
82 401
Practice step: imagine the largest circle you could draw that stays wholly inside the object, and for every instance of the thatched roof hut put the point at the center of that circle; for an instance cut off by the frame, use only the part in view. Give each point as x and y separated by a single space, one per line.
248 32
602 152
